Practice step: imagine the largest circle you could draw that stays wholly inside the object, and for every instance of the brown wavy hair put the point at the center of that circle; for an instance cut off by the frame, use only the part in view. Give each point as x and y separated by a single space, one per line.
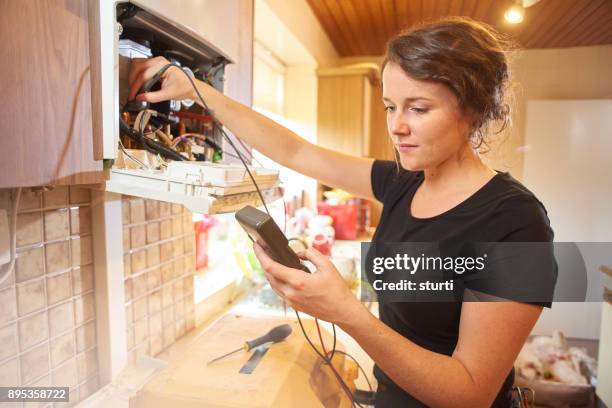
470 58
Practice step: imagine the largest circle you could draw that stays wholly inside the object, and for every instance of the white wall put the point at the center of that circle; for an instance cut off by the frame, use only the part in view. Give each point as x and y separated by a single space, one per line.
552 74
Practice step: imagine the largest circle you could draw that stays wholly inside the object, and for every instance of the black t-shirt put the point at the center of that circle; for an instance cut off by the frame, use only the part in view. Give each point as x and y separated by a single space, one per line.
502 210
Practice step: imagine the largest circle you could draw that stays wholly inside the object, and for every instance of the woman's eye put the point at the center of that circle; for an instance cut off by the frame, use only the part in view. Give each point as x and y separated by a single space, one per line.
390 108
419 110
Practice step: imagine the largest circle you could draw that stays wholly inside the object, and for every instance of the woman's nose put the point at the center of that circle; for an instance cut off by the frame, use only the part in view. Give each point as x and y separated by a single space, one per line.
399 124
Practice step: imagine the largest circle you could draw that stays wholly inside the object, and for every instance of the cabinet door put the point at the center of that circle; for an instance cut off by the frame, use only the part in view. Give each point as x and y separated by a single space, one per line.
45 108
342 117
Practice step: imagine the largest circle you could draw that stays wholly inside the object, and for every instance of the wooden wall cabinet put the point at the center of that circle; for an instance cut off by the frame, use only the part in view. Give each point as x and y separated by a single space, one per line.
351 117
45 108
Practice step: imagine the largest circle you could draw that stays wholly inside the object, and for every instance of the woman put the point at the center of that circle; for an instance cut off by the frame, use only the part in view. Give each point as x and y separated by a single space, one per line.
443 85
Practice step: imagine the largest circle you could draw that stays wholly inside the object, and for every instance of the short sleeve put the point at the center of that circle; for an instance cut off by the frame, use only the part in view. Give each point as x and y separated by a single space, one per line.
521 265
522 218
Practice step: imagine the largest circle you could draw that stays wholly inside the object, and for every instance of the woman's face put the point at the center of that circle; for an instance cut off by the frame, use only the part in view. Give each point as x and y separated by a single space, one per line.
424 120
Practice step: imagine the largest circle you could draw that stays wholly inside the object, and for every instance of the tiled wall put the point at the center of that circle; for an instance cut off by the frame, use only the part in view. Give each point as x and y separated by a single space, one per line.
47 305
159 262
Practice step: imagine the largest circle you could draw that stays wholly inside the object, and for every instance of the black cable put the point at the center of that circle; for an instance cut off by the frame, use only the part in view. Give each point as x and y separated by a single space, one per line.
219 125
359 366
150 145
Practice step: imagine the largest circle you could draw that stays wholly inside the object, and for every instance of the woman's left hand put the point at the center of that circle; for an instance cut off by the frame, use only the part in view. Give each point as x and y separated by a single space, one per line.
322 294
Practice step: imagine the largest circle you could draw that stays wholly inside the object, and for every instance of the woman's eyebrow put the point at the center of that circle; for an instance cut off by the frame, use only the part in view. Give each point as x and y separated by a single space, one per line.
412 99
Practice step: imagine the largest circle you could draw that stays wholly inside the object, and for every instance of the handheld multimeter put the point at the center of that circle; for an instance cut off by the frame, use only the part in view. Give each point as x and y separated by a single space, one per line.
261 228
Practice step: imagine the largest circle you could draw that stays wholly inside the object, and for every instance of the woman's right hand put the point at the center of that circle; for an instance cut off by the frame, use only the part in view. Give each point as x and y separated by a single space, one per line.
174 83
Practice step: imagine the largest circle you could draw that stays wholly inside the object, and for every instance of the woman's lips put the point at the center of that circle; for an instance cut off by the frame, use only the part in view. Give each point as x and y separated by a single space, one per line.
406 147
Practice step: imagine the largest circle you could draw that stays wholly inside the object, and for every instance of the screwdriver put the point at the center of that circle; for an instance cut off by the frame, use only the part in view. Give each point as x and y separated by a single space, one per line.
275 335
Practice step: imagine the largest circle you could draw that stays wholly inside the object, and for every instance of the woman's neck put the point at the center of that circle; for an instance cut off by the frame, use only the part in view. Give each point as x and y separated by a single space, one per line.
463 171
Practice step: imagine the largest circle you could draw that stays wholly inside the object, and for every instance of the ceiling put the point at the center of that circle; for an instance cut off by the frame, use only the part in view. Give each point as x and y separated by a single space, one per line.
362 27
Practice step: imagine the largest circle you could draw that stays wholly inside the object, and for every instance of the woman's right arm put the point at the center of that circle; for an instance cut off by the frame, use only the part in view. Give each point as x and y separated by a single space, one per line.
335 169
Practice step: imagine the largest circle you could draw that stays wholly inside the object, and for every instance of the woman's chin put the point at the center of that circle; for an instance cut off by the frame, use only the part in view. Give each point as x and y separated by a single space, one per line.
410 164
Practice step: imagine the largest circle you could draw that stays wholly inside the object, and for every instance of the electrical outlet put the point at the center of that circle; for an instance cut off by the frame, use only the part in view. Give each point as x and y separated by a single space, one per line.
5 238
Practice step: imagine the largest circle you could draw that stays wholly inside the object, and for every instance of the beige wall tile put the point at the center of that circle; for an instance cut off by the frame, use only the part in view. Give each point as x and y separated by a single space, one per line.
139 260
165 229
82 279
126 240
61 318
128 289
154 278
189 321
153 256
178 247
165 209
151 209
166 272
84 308
155 324
8 340
82 250
30 200
86 336
80 195
179 292
177 208
34 363
137 210
30 264
127 265
168 338
153 232
179 327
167 296
65 375
129 333
57 256
140 308
129 316
179 309
168 316
56 197
141 331
30 296
80 220
165 251
57 224
156 344
125 211
9 373
139 285
155 302
178 267
29 228
33 330
189 264
177 226
188 222
189 243
188 287
9 282
59 287
62 349
8 311
138 236
87 364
